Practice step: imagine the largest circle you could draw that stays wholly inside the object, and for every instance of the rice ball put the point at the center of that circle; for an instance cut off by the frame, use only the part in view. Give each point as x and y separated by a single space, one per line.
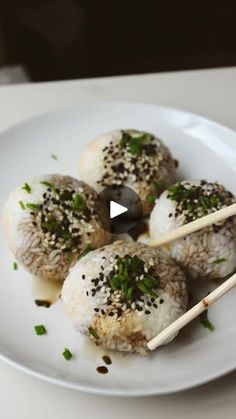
131 158
210 252
50 221
122 295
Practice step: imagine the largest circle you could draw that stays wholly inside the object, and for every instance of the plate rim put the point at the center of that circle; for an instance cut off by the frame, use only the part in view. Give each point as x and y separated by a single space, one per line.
87 388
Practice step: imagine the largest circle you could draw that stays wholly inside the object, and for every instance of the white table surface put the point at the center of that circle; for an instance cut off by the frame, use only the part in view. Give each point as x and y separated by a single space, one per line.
211 93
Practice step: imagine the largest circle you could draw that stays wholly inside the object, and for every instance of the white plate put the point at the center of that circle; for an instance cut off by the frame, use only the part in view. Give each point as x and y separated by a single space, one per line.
205 150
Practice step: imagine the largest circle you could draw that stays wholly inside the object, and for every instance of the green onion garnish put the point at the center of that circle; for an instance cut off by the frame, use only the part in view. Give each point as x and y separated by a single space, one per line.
52 225
40 329
78 203
27 188
48 185
54 156
128 268
220 260
151 198
206 322
15 266
67 354
193 199
133 144
93 332
33 207
146 289
22 205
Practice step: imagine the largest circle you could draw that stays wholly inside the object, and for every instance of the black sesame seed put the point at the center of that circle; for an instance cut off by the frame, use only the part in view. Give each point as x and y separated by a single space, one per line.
147 312
111 314
119 312
161 301
96 309
83 276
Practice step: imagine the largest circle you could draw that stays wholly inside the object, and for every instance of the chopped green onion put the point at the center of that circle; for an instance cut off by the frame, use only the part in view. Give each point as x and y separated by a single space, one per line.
93 332
67 354
134 144
52 225
145 289
40 329
78 203
48 185
150 282
22 205
54 156
220 260
133 263
124 280
116 282
192 198
33 207
151 198
27 188
15 266
130 293
206 322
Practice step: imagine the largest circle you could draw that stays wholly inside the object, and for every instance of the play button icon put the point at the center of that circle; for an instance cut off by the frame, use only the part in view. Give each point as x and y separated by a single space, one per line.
118 209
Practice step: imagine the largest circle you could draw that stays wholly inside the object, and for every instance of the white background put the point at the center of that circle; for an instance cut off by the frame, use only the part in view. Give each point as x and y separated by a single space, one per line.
211 93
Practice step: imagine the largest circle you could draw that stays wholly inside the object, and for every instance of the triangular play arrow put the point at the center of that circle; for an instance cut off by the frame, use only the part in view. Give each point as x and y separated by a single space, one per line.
116 209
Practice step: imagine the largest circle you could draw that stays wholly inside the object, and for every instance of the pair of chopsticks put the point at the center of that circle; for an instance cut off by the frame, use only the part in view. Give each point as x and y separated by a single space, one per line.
196 310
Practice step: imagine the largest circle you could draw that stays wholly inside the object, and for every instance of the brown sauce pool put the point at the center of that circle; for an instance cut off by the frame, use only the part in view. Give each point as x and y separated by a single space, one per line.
102 370
45 293
107 360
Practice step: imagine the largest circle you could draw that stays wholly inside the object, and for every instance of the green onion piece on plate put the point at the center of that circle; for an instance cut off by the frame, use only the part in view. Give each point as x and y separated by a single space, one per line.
40 329
67 354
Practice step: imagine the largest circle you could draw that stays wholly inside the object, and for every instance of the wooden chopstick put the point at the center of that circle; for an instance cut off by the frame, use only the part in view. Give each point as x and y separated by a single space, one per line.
194 226
191 314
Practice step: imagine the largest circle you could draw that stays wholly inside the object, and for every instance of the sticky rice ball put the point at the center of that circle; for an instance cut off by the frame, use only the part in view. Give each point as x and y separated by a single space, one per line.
50 221
132 158
210 252
122 295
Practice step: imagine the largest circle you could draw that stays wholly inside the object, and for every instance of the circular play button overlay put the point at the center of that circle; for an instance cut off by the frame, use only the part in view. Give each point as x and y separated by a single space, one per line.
119 209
